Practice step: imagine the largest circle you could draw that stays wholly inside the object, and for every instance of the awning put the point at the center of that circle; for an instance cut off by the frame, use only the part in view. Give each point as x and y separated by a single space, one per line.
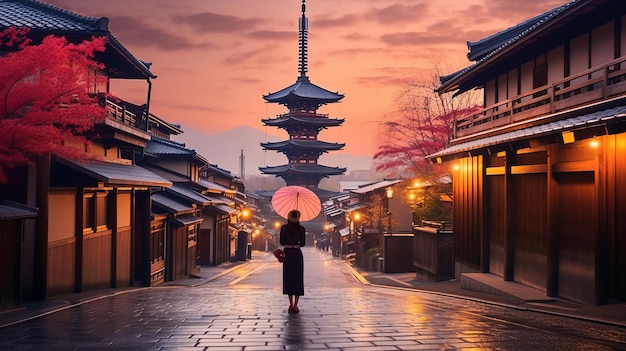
220 200
223 209
375 186
332 212
189 194
215 187
344 231
612 115
171 204
356 207
185 220
117 174
10 210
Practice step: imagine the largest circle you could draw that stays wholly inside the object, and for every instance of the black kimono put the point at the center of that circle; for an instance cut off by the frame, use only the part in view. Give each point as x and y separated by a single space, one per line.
292 236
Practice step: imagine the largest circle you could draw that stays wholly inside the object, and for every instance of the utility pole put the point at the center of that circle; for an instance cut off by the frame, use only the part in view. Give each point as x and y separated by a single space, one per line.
242 166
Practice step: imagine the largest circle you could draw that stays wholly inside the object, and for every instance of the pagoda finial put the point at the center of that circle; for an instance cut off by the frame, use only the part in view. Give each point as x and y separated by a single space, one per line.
304 44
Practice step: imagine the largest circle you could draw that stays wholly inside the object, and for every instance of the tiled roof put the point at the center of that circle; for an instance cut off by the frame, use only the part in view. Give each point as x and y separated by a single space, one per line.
302 144
303 89
171 204
617 114
186 219
303 169
188 194
38 15
163 147
214 186
117 174
44 19
479 49
375 186
484 49
12 210
158 146
300 120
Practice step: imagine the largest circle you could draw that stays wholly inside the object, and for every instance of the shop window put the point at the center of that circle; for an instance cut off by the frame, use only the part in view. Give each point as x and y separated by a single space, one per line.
192 236
157 239
95 212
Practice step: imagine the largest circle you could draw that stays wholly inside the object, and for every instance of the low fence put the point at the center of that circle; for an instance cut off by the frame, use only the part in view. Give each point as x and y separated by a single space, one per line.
433 249
398 253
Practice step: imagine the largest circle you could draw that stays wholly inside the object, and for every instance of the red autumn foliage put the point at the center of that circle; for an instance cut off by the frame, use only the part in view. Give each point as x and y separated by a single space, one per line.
45 105
422 125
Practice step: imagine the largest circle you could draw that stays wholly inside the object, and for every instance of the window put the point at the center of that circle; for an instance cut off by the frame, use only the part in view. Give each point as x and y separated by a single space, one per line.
88 208
192 236
540 75
157 241
95 212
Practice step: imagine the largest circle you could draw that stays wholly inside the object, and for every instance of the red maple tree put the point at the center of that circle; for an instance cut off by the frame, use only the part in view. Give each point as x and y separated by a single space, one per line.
45 102
421 125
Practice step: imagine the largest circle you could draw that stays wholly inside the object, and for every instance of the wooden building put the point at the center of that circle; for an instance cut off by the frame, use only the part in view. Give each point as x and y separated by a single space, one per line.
12 225
93 216
538 179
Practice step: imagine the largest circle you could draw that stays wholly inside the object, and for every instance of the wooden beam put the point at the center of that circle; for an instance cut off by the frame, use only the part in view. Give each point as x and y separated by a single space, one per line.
576 166
529 169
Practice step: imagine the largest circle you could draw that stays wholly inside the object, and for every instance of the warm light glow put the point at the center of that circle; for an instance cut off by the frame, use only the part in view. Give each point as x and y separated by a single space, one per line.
389 192
417 184
412 196
456 167
357 216
245 213
277 224
326 227
594 144
568 137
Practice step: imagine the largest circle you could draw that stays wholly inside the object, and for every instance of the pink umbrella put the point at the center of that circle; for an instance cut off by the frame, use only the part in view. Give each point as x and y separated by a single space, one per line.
299 198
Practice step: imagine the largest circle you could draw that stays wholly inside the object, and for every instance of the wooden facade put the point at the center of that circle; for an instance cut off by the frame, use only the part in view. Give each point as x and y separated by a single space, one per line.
538 178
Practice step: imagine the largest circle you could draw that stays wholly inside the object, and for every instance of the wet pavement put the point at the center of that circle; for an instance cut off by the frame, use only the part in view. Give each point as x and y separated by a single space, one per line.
240 306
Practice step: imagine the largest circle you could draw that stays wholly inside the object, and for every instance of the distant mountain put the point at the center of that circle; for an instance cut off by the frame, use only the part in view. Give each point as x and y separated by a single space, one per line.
224 149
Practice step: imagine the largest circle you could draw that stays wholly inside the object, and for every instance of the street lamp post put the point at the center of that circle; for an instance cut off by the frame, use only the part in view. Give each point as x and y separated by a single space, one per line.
389 194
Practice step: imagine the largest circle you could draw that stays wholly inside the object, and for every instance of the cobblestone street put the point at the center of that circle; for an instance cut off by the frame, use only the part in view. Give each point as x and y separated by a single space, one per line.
244 309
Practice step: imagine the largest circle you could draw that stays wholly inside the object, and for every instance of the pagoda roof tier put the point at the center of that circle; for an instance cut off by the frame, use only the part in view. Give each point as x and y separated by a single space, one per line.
298 119
312 169
303 92
302 144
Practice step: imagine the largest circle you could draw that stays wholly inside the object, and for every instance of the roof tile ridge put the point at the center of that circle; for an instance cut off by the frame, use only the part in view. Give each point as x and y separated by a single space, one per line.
101 23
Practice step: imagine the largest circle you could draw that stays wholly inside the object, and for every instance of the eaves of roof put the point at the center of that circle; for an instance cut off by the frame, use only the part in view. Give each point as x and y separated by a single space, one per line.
375 186
608 116
214 187
43 19
302 144
303 169
10 210
492 48
303 89
168 148
114 174
300 120
172 204
189 194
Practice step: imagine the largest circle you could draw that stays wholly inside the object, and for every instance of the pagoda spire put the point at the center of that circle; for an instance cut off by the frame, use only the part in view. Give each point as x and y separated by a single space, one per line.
303 26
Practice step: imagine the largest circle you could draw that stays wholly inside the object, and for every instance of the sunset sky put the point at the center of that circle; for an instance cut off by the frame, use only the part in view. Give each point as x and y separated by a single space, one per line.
216 58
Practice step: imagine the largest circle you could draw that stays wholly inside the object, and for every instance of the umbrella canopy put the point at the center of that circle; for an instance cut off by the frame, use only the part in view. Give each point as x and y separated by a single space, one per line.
299 198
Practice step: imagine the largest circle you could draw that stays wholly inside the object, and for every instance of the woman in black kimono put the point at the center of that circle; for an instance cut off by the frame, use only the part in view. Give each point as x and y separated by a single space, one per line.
292 237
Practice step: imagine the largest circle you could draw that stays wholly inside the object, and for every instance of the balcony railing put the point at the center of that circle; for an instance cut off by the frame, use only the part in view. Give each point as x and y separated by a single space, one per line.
302 113
120 114
592 85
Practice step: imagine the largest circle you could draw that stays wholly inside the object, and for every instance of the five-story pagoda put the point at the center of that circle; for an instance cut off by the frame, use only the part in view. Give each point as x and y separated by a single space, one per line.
303 124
